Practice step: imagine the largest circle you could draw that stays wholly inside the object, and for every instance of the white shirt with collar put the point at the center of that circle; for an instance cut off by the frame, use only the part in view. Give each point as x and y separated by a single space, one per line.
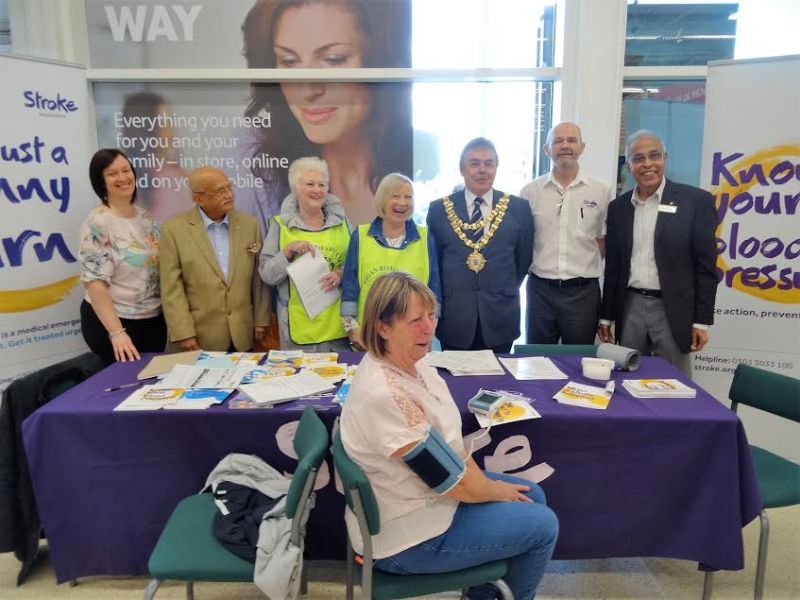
567 222
486 205
220 237
644 271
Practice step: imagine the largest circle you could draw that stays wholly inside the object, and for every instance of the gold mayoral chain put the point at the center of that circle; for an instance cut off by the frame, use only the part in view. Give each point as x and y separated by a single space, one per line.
475 260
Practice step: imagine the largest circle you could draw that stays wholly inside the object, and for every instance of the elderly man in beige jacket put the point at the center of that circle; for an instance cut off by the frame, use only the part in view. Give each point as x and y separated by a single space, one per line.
212 295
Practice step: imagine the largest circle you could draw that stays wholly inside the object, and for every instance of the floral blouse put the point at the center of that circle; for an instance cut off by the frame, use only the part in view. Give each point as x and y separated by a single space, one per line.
123 253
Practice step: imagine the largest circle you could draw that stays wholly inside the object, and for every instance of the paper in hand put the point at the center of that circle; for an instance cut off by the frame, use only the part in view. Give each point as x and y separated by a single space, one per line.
306 271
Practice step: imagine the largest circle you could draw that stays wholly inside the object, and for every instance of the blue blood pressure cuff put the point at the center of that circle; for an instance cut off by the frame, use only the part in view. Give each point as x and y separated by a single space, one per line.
435 462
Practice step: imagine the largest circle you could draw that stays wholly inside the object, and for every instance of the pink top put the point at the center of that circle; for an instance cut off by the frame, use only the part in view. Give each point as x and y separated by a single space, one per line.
385 410
123 253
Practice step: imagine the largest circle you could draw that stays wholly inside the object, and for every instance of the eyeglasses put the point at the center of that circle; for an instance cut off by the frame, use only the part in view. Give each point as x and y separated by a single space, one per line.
223 191
653 156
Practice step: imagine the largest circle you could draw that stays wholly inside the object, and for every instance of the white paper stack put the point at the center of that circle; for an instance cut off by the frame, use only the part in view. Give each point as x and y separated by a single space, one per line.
466 362
283 389
305 272
532 367
187 376
658 388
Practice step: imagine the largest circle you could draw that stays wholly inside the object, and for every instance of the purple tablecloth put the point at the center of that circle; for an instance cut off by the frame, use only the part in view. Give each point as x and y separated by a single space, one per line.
669 477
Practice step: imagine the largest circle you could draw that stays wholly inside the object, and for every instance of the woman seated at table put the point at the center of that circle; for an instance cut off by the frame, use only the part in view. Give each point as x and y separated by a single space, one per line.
311 220
396 402
392 242
118 252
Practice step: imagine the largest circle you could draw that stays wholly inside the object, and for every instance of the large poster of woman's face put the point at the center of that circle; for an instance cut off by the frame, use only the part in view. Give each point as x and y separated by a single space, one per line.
253 131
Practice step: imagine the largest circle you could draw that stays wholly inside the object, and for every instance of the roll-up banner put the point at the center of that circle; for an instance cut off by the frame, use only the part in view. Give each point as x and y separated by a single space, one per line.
45 194
751 162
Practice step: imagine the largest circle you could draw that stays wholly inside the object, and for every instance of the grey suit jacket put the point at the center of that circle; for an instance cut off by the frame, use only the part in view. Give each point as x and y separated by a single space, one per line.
492 294
197 300
686 254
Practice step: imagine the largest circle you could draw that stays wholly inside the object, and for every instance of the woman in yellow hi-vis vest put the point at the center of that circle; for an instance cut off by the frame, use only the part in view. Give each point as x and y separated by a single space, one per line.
311 220
392 242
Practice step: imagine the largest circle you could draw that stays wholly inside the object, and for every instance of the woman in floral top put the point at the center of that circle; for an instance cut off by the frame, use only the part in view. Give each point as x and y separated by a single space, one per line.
119 243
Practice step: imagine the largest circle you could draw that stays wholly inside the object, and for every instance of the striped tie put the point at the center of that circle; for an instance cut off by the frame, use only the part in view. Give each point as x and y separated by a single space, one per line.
477 215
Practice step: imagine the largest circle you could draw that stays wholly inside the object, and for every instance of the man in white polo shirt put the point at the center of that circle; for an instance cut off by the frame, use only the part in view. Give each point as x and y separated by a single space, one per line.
569 214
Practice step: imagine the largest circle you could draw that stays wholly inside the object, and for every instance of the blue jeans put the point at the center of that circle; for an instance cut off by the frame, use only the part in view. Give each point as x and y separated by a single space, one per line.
523 533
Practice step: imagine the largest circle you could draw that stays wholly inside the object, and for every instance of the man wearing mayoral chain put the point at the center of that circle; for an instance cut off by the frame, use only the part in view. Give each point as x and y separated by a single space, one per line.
484 242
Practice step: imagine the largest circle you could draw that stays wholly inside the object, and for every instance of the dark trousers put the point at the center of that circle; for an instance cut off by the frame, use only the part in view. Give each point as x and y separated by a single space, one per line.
568 313
479 344
148 335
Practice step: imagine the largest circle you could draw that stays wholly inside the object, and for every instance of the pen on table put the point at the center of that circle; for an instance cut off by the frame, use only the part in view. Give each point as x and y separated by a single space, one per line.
123 386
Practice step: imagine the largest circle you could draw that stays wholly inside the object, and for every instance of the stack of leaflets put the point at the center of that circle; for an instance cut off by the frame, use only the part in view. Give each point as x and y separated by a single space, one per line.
658 388
285 358
533 367
187 376
587 396
232 359
262 373
466 362
511 410
315 358
151 397
283 389
334 372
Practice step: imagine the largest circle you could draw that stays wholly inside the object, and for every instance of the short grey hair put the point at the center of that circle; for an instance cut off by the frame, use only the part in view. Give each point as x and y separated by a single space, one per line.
636 136
303 165
387 187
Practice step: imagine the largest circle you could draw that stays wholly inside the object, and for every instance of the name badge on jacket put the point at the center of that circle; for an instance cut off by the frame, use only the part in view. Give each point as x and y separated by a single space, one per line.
667 208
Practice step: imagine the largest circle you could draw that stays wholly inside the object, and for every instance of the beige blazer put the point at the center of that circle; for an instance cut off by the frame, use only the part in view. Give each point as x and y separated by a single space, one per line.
197 300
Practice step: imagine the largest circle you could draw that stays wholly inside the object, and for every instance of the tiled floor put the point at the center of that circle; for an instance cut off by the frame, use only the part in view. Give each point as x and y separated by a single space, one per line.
629 578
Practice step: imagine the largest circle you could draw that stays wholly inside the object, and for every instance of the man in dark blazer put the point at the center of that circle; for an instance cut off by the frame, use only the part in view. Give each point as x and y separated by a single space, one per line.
484 243
660 276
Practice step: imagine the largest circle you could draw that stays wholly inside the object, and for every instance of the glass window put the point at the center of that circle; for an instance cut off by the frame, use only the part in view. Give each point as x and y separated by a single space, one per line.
470 34
679 33
694 32
514 115
675 111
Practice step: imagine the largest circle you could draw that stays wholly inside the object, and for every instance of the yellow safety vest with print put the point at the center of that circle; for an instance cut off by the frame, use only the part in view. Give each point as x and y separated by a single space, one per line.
375 260
327 325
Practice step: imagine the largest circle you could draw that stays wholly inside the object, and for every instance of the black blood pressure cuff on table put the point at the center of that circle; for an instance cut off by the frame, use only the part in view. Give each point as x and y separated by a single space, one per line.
435 462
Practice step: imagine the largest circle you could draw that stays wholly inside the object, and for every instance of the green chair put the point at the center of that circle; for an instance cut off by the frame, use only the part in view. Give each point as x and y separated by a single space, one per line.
187 549
379 584
552 349
778 478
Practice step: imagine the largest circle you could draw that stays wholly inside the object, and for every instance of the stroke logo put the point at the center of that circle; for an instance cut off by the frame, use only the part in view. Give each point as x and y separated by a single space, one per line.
36 100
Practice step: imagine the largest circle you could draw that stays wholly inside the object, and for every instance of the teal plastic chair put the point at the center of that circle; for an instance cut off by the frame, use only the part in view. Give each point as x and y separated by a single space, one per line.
187 549
778 478
377 584
553 349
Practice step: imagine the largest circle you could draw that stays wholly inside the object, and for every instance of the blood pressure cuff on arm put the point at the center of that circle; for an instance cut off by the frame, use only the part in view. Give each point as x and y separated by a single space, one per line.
435 462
